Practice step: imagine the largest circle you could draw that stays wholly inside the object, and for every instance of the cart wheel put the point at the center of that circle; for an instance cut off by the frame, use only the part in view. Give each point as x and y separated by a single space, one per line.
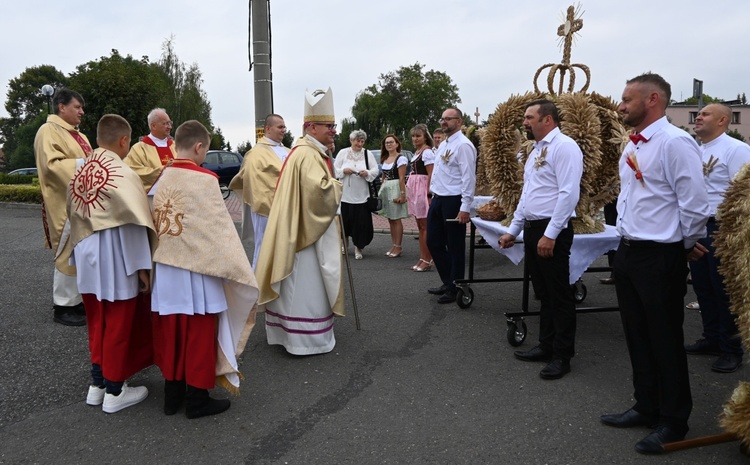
224 191
579 291
464 297
516 334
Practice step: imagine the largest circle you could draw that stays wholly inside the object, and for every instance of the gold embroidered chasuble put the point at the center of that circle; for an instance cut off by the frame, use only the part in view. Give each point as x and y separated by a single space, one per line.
144 159
258 176
304 206
56 152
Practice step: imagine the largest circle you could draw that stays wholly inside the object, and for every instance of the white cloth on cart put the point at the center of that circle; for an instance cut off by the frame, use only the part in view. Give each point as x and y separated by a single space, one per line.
586 247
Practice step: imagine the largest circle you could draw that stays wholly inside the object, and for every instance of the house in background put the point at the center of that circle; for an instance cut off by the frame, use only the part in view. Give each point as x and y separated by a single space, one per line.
684 115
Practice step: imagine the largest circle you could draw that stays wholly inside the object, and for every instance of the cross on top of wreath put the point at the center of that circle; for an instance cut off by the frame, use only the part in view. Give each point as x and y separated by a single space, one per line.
572 23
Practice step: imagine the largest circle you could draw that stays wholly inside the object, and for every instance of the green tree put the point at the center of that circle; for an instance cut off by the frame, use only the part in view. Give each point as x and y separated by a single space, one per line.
736 134
24 101
244 147
23 155
186 98
706 100
400 100
121 85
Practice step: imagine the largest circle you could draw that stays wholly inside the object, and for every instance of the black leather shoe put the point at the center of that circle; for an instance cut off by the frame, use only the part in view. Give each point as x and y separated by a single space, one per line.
629 419
438 290
727 363
609 280
534 355
447 298
555 369
703 347
652 444
68 316
80 309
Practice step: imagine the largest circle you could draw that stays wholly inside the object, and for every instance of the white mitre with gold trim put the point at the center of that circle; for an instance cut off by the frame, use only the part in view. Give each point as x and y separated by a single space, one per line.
319 106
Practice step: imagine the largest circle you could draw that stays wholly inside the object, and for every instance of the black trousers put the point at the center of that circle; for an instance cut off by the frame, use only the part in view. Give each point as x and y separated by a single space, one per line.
650 283
446 240
551 280
610 218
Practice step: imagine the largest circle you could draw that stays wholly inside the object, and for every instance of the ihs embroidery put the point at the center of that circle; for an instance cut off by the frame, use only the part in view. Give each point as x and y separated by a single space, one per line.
91 183
166 219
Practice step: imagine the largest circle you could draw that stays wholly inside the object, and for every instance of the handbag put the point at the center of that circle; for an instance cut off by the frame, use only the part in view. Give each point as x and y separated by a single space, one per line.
374 202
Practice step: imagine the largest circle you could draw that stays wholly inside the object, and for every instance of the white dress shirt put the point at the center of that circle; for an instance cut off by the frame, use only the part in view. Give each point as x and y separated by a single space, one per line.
671 204
454 170
730 155
551 184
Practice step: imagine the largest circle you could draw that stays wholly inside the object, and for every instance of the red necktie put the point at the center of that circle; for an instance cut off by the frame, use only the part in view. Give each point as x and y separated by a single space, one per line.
635 138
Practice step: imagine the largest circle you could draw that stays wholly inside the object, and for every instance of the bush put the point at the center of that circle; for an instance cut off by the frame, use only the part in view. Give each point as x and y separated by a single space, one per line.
17 179
25 194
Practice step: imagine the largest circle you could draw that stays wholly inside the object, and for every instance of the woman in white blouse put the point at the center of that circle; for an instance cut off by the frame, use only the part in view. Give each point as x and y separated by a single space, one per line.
354 173
393 192
417 188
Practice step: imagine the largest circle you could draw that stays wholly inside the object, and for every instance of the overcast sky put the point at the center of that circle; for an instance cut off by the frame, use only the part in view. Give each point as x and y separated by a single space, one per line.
490 48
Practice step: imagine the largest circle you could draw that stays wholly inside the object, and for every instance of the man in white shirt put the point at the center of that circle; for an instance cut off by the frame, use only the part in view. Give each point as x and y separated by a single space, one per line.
663 210
257 180
722 158
551 189
149 156
452 188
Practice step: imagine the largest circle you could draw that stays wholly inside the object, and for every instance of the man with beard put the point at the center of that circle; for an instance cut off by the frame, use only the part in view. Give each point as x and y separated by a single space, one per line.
663 209
149 156
60 148
551 188
452 188
723 156
299 267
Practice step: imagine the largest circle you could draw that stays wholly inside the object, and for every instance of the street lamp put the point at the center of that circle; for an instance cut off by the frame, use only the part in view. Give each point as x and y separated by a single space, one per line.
48 90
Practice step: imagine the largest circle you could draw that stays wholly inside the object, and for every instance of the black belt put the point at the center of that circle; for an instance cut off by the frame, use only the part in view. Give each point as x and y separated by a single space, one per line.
435 196
648 244
536 223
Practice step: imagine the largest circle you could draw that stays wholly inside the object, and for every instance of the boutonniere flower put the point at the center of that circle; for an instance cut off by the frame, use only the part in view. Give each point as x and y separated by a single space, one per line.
540 160
446 156
709 165
633 164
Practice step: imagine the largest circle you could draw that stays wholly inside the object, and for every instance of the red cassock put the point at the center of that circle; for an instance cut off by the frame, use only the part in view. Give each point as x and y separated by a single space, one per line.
120 337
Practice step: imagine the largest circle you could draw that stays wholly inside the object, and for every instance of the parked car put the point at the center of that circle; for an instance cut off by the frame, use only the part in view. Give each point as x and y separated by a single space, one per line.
225 164
23 172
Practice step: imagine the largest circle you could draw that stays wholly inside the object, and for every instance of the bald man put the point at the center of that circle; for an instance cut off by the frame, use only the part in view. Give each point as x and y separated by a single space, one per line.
662 212
722 156
148 157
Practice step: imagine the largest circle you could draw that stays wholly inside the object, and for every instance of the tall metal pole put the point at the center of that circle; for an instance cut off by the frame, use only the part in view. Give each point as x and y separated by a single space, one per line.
260 28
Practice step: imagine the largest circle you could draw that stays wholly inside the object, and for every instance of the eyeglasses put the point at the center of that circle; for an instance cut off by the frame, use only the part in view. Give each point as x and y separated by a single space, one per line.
448 118
168 123
330 127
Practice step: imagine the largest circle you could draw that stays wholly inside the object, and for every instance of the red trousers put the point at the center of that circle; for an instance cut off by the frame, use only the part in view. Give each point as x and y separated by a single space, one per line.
119 335
185 348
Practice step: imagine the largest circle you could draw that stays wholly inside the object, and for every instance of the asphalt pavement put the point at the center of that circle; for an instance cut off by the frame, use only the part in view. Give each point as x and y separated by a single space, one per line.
420 383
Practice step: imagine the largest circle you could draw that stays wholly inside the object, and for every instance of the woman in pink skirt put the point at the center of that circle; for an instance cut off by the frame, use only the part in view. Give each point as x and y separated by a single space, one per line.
418 187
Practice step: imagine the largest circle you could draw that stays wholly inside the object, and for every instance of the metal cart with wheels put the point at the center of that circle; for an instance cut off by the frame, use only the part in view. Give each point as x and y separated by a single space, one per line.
517 329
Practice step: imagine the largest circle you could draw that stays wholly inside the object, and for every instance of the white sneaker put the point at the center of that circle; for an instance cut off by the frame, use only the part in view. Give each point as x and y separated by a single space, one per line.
128 397
357 254
95 395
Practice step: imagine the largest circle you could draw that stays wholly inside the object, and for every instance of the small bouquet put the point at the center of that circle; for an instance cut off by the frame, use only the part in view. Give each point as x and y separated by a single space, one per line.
540 160
633 164
709 165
